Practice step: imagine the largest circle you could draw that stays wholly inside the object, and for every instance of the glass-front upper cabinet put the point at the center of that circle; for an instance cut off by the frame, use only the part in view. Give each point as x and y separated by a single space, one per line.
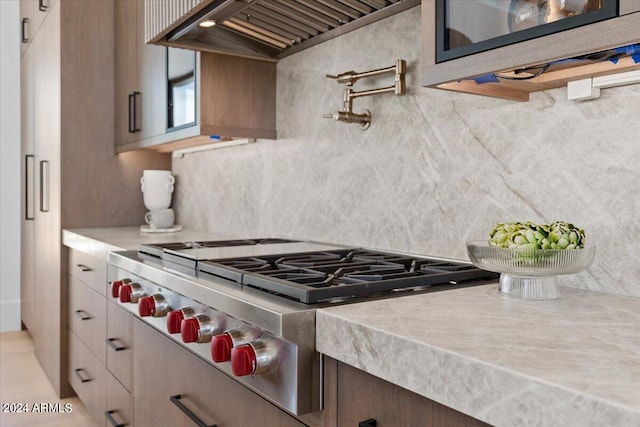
181 88
465 27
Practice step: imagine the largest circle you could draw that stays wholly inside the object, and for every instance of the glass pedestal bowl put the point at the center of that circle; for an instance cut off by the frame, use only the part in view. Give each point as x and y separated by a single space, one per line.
530 273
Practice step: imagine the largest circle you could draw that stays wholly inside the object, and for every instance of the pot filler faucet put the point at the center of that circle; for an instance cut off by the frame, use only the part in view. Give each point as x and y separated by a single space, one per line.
350 77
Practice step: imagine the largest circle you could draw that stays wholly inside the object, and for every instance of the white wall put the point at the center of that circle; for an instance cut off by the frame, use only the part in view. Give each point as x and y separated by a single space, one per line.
435 168
9 165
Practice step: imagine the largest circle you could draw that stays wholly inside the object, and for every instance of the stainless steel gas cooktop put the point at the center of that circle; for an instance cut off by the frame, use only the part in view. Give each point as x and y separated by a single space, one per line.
248 306
311 272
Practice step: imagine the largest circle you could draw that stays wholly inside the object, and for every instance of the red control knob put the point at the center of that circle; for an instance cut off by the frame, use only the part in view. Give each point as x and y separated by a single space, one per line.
189 330
174 321
146 306
221 346
116 285
243 360
125 293
115 288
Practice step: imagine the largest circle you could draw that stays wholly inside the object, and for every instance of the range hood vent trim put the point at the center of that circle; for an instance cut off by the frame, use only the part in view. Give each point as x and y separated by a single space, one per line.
280 27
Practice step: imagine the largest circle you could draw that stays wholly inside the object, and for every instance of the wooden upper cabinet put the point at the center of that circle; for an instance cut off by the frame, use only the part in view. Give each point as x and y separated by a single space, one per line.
460 74
126 68
237 96
234 97
139 77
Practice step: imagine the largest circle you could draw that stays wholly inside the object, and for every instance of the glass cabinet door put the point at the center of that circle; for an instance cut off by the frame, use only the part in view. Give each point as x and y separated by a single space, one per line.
464 27
181 88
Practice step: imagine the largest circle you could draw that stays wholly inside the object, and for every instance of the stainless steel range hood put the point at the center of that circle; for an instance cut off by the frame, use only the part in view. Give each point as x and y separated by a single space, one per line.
260 29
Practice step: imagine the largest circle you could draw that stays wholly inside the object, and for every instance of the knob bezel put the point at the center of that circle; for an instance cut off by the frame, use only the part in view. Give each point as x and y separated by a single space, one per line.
131 292
174 326
158 306
229 339
206 327
265 361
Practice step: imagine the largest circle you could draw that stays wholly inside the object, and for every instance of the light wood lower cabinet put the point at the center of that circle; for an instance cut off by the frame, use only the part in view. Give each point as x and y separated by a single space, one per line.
99 344
142 417
119 404
119 343
363 397
89 270
169 382
87 317
87 376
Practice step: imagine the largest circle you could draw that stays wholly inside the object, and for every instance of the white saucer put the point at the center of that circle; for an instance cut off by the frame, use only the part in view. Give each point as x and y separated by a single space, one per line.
148 229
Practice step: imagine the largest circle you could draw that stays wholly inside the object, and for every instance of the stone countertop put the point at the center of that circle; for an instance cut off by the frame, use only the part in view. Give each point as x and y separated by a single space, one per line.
98 242
574 361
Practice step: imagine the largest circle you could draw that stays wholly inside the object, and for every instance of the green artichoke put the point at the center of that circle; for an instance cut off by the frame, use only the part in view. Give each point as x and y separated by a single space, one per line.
528 235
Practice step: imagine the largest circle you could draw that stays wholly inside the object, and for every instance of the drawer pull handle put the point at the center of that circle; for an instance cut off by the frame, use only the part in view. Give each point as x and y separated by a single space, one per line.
83 268
114 423
83 315
371 422
83 378
176 401
111 343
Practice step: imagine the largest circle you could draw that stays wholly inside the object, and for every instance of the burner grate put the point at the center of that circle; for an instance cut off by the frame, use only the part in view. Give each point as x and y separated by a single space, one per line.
332 275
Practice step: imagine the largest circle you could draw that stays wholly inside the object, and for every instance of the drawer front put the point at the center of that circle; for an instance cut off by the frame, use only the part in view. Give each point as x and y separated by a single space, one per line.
87 377
87 317
119 404
141 417
170 382
90 270
119 343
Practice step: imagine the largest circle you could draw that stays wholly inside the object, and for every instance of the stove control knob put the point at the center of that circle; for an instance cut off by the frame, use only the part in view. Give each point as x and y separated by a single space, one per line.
131 292
116 285
154 305
222 344
175 318
200 328
258 357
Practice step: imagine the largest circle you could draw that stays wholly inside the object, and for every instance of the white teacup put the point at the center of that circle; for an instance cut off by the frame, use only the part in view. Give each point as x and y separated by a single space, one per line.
157 187
162 218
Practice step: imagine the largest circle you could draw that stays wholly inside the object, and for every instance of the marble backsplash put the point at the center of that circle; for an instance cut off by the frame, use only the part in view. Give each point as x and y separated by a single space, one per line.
434 170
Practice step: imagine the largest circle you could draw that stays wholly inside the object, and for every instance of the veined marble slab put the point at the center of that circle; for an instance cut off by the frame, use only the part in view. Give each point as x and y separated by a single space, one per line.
435 168
574 361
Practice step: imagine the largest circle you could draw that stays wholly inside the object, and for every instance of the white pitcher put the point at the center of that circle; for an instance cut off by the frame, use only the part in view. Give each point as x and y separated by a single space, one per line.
157 187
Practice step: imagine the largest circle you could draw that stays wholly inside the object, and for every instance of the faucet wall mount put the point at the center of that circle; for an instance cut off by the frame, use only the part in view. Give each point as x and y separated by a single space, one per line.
349 78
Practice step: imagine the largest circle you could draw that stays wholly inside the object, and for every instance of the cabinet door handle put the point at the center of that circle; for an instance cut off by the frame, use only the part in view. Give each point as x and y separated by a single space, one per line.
29 187
83 378
83 268
371 422
133 120
132 128
83 315
114 423
25 39
176 401
135 109
111 343
41 6
44 186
